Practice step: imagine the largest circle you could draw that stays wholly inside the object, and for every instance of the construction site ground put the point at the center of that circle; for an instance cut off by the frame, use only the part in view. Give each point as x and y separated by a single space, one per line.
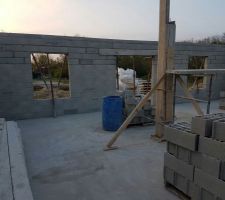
66 161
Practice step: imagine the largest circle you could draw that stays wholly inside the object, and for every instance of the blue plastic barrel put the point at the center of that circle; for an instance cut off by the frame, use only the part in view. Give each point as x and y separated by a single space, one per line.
112 113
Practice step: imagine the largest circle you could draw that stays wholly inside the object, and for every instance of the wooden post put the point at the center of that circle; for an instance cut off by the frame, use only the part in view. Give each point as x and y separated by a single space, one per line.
164 96
209 94
117 74
154 79
134 76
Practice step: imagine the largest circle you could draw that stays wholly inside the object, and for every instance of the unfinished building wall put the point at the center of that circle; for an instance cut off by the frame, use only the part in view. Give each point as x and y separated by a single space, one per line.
92 70
92 75
215 56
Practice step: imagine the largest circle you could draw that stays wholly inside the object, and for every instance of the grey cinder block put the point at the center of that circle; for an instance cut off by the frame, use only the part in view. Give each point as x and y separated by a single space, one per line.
222 171
181 137
181 183
12 60
179 152
169 175
206 195
198 193
218 130
86 62
212 148
184 154
206 163
209 183
222 94
222 104
202 125
194 191
127 52
6 54
177 180
179 166
172 149
73 61
105 62
92 50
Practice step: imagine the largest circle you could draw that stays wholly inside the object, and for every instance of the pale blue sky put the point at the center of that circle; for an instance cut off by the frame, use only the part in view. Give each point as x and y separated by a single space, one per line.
122 19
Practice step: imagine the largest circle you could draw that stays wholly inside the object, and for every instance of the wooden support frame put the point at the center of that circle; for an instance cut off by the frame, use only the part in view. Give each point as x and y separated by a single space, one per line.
166 86
188 94
145 99
133 113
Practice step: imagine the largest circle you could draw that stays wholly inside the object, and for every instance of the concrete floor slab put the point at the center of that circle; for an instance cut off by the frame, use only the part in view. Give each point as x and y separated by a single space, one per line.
65 160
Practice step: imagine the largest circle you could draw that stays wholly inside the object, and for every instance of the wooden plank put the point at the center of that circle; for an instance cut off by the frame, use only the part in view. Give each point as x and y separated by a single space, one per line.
196 71
154 79
134 113
169 78
164 99
188 94
198 100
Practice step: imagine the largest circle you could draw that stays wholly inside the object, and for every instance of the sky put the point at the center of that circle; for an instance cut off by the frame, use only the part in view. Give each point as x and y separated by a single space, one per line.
120 19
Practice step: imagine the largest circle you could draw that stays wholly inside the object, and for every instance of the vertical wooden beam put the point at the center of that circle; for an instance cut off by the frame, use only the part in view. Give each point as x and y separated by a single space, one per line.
209 94
169 79
154 79
164 96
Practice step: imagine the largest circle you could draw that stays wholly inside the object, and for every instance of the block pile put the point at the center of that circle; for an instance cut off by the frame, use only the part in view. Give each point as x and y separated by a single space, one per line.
222 100
144 116
195 159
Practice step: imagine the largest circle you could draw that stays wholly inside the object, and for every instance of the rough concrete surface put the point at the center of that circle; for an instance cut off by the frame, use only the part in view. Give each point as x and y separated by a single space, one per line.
5 174
65 159
20 182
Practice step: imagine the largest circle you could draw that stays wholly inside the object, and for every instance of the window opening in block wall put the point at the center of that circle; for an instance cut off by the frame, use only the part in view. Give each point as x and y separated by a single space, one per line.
50 75
197 82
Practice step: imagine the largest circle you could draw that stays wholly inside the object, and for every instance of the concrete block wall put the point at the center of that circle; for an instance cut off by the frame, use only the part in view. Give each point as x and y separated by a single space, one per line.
215 60
92 67
200 172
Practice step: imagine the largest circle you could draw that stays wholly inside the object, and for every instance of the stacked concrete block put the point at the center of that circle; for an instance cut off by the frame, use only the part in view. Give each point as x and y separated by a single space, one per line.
218 132
178 170
144 116
202 125
178 173
222 100
195 160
